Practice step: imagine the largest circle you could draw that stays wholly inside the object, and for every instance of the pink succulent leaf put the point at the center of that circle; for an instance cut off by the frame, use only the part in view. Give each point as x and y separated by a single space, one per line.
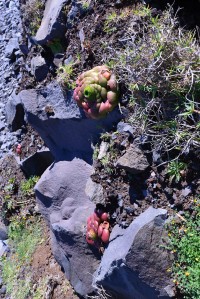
96 217
104 216
105 235
90 241
100 230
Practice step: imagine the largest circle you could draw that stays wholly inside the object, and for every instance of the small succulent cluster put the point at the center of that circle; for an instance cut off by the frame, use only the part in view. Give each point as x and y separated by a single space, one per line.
97 228
96 92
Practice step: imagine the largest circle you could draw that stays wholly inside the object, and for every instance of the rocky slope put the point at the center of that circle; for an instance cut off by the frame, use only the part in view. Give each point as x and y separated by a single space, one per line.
112 164
11 63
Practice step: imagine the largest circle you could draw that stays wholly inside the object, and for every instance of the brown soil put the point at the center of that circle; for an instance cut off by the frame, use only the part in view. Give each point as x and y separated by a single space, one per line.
45 266
127 195
30 143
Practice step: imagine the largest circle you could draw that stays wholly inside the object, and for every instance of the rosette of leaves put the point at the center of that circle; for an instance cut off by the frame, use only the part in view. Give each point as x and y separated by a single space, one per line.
97 232
96 92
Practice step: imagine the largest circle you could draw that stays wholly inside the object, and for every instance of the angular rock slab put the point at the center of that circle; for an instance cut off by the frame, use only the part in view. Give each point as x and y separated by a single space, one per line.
37 163
14 113
63 126
39 68
134 266
66 207
53 24
134 161
11 47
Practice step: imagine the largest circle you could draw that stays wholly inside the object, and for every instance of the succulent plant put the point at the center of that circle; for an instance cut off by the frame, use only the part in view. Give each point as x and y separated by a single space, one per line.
97 228
96 92
19 149
103 232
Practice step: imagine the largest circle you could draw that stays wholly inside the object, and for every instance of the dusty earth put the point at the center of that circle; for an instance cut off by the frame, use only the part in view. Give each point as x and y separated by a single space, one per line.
44 265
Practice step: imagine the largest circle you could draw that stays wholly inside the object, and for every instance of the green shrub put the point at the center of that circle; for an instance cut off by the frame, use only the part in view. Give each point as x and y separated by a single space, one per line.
32 13
65 76
55 46
158 64
174 170
28 185
24 236
184 235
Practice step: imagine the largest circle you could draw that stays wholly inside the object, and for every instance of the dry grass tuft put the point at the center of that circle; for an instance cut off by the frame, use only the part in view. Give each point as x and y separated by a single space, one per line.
158 65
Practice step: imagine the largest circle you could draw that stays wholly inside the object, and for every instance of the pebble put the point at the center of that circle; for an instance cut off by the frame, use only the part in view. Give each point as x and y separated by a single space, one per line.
125 127
120 203
3 290
129 210
3 248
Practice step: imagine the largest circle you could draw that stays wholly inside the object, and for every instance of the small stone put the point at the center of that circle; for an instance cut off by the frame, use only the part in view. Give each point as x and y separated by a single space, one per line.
170 291
39 68
114 215
3 147
3 290
3 248
129 210
18 133
181 213
103 150
125 127
58 59
113 136
3 231
134 161
36 208
124 143
124 224
24 49
12 46
68 60
156 157
2 125
185 192
168 191
120 203
14 112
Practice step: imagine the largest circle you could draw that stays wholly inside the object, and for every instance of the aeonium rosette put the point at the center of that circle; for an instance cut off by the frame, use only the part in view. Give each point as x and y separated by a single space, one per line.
96 92
97 228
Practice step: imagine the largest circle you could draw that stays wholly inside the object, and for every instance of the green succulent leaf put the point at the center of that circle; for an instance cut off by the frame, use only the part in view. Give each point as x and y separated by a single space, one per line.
90 93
